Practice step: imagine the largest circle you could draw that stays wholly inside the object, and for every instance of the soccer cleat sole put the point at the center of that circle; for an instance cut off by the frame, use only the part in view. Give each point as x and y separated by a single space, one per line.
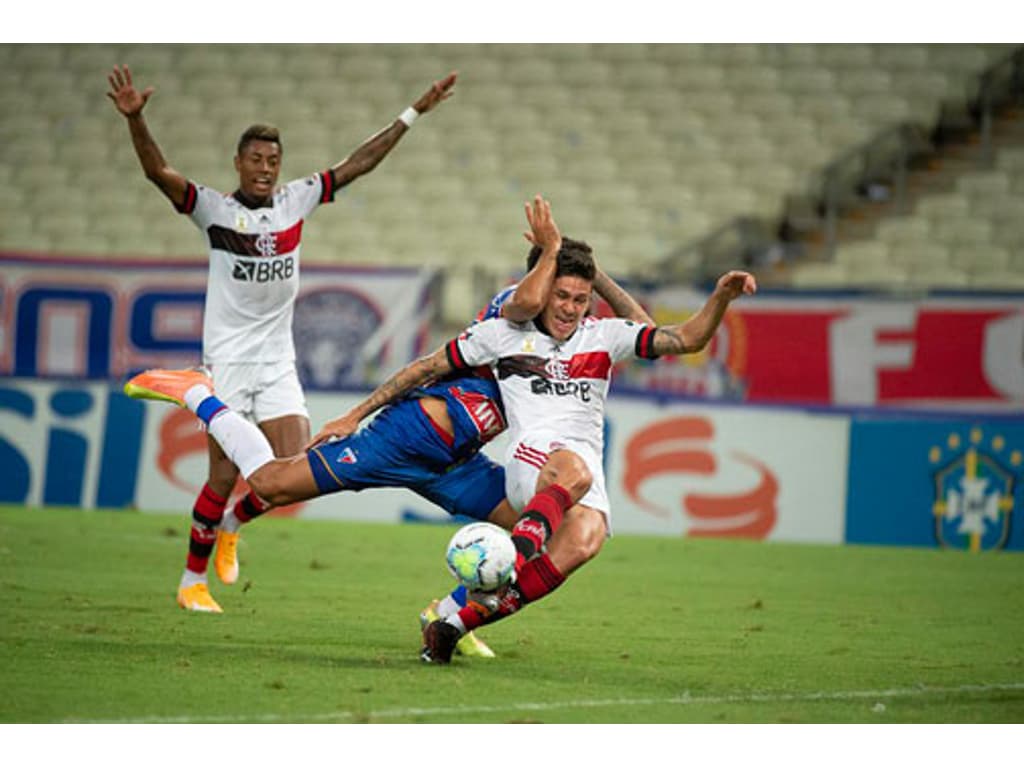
165 385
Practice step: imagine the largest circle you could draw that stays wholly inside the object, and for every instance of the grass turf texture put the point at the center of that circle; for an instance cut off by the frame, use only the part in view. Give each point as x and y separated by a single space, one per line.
322 627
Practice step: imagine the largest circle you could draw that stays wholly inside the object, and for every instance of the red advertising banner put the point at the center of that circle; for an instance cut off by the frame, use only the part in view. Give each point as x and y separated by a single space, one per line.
956 353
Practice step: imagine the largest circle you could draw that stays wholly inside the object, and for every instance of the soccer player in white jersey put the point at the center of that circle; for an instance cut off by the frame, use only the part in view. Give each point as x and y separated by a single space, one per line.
553 373
253 236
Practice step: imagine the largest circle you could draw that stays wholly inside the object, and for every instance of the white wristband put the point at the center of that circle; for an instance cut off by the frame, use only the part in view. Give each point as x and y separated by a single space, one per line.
409 116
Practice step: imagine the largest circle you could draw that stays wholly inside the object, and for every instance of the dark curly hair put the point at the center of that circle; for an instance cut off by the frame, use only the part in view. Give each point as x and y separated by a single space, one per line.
574 258
260 132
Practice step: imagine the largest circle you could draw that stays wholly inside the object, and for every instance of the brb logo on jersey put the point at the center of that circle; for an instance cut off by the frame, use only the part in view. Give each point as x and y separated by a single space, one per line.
264 264
547 376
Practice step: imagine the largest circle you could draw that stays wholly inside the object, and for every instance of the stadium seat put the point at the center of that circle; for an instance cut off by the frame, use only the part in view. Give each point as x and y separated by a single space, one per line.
910 58
871 255
819 275
683 134
939 207
980 258
929 277
927 255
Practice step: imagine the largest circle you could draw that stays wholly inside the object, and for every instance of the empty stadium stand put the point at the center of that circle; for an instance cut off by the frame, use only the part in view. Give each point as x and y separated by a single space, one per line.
641 148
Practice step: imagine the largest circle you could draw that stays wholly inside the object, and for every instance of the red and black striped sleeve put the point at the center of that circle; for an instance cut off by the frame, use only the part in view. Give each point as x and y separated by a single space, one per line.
191 195
455 358
644 347
327 187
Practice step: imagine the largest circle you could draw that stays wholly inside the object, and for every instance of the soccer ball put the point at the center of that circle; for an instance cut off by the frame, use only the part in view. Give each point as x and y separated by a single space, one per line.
482 557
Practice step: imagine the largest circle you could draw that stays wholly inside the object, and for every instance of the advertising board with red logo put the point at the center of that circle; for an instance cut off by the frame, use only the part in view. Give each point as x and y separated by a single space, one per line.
957 353
675 470
753 473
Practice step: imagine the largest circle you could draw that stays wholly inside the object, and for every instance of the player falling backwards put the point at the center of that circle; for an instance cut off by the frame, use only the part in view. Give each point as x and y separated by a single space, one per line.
448 421
553 373
253 236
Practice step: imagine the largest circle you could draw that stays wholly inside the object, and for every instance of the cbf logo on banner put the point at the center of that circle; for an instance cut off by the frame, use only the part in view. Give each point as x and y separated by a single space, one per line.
926 482
974 484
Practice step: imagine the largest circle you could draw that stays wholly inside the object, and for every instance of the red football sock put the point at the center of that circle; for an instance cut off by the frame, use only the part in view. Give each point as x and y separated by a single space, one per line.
540 519
537 578
249 508
206 516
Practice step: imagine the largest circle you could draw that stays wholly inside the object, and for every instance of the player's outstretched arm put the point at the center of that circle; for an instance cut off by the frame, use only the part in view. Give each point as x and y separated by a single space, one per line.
405 380
621 302
368 154
696 332
130 103
533 290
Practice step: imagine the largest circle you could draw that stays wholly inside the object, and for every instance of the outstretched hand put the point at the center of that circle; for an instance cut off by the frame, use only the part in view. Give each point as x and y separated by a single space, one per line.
734 283
438 92
543 229
335 429
127 100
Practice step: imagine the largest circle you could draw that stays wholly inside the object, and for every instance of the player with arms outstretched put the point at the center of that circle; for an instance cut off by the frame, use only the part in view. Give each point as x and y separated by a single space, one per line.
253 236
428 442
553 372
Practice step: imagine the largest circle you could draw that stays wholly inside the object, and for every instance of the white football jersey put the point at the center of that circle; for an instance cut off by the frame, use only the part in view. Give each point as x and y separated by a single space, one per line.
254 268
548 385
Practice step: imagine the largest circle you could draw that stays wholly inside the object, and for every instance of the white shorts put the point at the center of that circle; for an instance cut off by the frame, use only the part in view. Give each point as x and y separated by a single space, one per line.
260 391
525 458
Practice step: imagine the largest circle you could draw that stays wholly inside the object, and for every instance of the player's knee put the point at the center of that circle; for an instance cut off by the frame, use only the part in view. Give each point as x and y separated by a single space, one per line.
570 472
268 485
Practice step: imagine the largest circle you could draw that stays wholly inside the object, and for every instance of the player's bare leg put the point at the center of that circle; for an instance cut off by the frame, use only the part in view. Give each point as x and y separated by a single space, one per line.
278 481
287 436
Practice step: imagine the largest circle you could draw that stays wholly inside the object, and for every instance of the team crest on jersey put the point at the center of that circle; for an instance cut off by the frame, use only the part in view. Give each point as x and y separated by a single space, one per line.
530 344
241 224
266 244
973 491
557 369
347 456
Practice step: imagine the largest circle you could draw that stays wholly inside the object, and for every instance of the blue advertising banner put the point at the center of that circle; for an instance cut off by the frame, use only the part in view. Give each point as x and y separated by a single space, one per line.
956 484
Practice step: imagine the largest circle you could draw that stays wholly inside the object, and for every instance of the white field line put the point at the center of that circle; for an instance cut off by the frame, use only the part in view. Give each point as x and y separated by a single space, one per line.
684 699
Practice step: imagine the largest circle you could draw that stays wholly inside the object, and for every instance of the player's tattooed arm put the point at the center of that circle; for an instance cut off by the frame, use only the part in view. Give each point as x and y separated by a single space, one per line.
696 332
130 103
415 374
622 304
368 155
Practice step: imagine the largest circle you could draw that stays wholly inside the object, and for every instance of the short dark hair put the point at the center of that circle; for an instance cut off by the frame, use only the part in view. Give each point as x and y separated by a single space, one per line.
574 258
260 132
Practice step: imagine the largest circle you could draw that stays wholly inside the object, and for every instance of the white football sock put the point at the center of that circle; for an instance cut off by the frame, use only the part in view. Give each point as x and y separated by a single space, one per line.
447 606
195 395
191 578
242 441
229 522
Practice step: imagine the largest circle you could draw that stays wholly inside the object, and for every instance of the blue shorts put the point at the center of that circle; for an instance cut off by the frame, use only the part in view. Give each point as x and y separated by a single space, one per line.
401 449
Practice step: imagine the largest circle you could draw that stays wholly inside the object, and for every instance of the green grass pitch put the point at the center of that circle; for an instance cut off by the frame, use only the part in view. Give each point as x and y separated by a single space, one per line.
321 628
